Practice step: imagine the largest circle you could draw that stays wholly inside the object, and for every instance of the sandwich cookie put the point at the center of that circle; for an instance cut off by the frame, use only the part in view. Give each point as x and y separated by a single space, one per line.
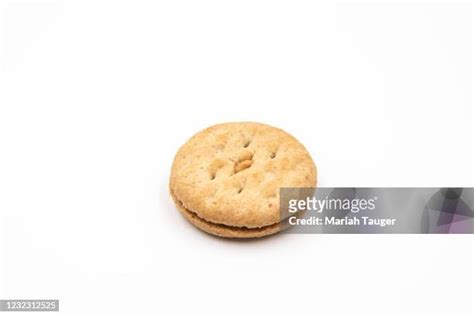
226 179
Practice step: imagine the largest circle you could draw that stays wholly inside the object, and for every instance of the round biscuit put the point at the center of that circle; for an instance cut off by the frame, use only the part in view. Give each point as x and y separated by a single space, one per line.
226 179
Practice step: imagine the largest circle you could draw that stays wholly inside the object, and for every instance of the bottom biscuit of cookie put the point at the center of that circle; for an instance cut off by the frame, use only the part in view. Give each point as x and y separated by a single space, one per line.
223 230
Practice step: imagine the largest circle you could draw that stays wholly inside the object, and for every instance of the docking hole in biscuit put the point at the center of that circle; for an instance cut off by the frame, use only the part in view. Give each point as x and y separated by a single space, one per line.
242 165
214 167
244 162
225 180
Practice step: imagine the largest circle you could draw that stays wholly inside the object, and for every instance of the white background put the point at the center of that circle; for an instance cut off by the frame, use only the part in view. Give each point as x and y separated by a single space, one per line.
97 96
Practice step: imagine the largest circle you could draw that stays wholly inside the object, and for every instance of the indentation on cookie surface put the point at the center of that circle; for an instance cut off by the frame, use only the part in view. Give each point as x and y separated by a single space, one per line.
246 138
244 162
245 155
241 185
214 167
274 151
241 166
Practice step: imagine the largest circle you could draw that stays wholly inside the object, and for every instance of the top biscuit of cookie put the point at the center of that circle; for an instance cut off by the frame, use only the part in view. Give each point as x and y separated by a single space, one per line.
231 173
